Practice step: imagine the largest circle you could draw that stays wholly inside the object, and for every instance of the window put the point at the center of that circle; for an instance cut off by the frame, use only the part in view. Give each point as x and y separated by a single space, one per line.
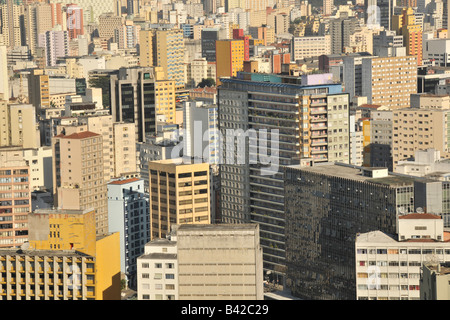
158 265
170 276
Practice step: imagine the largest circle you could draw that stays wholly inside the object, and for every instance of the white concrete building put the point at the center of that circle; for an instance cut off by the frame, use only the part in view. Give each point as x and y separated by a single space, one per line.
389 267
425 162
158 271
201 136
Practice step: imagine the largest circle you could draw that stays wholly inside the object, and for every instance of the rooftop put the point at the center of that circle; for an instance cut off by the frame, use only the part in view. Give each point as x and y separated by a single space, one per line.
346 171
420 216
124 181
79 135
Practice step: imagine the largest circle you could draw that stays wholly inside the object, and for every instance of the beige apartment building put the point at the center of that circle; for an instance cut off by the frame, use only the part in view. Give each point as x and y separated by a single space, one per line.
307 47
119 148
146 48
179 194
18 125
78 174
389 81
435 282
203 262
419 129
124 149
169 54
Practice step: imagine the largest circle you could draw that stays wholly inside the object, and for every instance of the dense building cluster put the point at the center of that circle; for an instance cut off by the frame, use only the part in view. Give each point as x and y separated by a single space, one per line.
224 149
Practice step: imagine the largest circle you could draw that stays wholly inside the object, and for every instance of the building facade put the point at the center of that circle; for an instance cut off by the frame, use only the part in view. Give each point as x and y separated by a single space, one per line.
388 267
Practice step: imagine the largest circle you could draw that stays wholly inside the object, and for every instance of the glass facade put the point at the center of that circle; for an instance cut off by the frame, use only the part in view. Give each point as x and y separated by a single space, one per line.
324 213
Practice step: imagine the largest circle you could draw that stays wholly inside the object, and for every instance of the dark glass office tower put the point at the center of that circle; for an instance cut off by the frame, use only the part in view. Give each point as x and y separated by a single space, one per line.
133 99
326 206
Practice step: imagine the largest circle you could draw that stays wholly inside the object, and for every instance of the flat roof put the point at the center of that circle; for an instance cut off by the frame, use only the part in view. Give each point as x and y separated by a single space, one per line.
125 181
354 173
38 252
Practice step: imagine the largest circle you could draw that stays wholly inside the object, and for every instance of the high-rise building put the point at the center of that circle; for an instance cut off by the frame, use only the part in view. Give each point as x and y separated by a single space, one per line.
229 58
15 198
201 135
387 43
78 174
146 48
389 267
127 35
419 128
389 81
18 125
12 24
55 44
128 214
133 99
37 20
308 47
4 79
327 206
179 194
378 13
75 22
340 31
208 40
168 46
307 122
38 90
405 24
327 7
92 9
107 23
203 262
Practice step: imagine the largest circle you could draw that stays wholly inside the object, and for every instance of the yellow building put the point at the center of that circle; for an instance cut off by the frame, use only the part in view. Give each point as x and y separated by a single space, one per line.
35 274
179 194
62 230
229 58
405 24
63 236
107 267
164 95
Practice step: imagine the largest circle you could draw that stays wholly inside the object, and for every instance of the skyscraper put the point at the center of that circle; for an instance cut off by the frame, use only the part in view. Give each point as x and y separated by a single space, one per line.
283 124
133 99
